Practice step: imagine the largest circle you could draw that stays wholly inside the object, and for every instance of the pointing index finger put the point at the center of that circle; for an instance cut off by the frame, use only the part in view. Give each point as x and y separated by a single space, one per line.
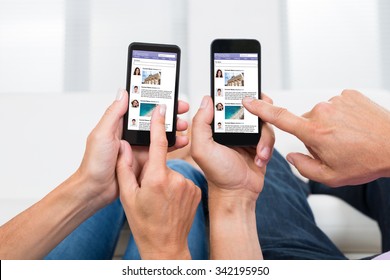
278 116
158 139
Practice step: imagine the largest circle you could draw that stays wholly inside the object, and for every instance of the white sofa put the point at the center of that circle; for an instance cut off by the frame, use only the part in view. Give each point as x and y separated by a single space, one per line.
43 140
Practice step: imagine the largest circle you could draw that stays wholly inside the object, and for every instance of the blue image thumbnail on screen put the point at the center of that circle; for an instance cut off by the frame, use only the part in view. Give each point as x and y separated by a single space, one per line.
234 112
146 109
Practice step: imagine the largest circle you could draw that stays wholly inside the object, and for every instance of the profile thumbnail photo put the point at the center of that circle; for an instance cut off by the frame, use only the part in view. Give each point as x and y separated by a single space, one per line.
234 78
151 76
234 112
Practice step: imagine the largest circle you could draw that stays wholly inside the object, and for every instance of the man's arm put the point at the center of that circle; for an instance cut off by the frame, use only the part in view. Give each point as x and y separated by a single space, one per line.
347 137
235 178
36 231
233 231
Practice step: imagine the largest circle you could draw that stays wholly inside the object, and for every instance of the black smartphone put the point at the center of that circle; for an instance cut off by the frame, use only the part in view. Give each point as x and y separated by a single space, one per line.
152 79
235 74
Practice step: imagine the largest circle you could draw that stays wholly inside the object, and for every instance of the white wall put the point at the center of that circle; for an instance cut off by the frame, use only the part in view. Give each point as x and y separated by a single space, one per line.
334 44
208 20
117 23
31 46
309 44
42 142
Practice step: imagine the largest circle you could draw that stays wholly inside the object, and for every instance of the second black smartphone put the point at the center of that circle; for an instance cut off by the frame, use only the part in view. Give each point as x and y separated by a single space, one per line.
235 74
152 79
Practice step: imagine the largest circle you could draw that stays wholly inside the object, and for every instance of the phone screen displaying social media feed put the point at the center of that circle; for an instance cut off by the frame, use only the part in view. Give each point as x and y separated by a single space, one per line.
152 82
235 77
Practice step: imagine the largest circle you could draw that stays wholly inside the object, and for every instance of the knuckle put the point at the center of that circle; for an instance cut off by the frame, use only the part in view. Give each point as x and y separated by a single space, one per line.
322 107
328 176
198 193
270 132
180 181
177 182
267 99
334 99
193 190
109 111
155 180
154 183
161 142
350 93
196 121
267 135
196 151
346 92
279 114
94 136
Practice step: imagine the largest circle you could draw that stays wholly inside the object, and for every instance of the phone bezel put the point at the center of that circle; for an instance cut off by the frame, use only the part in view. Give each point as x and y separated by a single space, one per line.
235 46
142 137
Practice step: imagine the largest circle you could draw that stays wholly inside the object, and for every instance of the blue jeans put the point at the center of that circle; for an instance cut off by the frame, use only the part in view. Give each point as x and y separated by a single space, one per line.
285 222
371 199
96 238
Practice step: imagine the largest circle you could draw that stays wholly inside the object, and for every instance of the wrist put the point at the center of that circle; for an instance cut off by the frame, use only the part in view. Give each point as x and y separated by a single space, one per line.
228 209
78 188
54 217
381 149
233 229
223 196
166 254
385 172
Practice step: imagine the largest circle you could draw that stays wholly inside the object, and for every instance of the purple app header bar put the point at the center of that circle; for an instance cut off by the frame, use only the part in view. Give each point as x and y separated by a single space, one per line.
154 55
235 56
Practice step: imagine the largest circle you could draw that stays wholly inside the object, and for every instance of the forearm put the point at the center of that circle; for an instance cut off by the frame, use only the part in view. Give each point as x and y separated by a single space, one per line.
233 231
36 231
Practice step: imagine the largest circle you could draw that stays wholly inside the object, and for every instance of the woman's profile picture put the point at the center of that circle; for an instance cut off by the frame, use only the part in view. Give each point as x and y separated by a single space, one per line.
219 106
134 103
219 125
137 71
219 73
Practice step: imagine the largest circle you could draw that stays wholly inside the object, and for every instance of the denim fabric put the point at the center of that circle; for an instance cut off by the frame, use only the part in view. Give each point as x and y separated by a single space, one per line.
372 199
285 222
96 238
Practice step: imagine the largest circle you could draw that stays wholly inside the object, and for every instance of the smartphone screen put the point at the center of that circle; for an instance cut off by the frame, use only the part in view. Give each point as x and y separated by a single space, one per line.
152 80
235 75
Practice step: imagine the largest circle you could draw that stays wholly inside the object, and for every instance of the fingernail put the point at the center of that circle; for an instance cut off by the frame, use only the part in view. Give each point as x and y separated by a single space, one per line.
247 99
204 103
265 153
163 109
259 162
289 159
119 94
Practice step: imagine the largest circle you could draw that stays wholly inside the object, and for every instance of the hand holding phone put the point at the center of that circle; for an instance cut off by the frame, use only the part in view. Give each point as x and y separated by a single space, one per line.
152 79
162 198
235 74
